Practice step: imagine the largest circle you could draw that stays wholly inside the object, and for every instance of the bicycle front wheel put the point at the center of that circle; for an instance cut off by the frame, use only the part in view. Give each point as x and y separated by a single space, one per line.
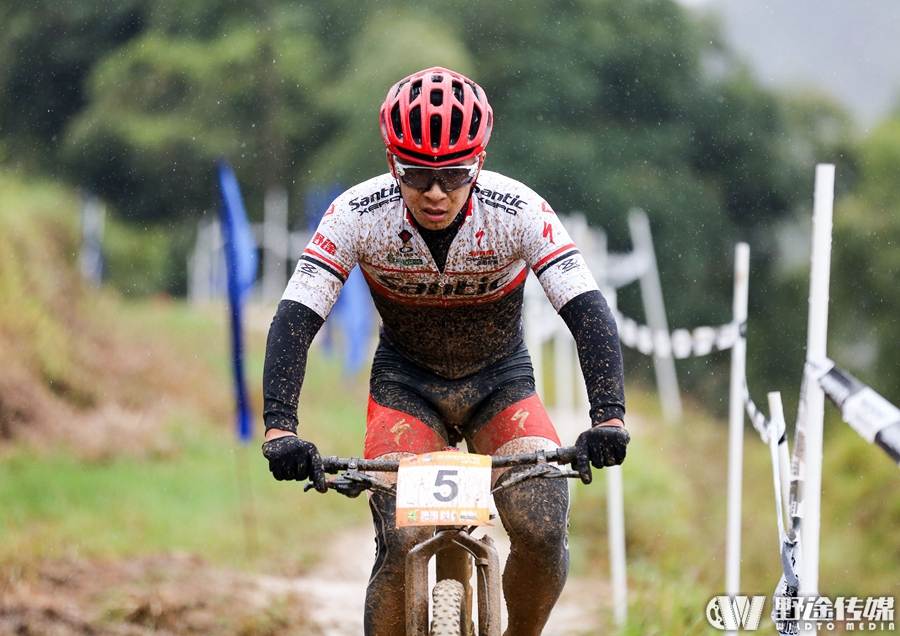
447 613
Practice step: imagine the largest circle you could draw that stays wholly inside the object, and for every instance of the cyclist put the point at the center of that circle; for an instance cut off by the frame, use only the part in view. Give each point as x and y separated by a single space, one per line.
445 248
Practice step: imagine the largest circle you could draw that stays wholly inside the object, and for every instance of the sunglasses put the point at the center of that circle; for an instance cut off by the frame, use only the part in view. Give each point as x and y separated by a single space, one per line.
449 178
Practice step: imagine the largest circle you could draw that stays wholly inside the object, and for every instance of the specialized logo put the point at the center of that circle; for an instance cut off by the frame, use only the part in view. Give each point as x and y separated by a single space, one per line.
729 613
520 416
399 429
548 232
479 235
546 208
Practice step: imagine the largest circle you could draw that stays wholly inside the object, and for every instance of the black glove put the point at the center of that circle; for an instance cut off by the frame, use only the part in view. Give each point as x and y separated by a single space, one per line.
601 446
293 458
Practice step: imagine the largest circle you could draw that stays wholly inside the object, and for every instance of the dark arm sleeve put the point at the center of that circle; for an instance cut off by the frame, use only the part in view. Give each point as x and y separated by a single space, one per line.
597 338
293 329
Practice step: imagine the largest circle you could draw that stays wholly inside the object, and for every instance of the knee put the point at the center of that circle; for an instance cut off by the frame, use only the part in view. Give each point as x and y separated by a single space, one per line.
535 514
392 543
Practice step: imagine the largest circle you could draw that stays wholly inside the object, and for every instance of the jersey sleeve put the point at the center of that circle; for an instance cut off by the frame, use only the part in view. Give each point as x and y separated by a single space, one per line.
326 262
553 257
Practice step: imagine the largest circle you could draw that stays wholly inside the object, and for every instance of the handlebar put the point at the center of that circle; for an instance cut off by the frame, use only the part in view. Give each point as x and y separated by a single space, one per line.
354 479
565 455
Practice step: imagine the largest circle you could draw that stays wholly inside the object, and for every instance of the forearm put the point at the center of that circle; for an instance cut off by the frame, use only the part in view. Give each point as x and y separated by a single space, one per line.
599 352
290 335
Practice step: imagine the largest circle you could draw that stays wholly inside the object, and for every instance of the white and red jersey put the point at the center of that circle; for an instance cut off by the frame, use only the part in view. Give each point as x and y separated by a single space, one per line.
457 320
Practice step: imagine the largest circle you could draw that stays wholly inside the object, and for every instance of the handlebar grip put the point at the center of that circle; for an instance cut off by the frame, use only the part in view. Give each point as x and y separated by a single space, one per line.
334 465
566 455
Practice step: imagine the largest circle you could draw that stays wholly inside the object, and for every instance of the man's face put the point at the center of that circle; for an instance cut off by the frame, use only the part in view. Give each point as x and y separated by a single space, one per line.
434 209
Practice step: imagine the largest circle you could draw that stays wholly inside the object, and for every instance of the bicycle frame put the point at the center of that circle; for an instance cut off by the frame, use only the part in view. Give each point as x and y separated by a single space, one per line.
454 549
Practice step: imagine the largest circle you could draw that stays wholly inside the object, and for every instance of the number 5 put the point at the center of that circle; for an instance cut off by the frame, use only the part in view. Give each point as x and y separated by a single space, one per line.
442 480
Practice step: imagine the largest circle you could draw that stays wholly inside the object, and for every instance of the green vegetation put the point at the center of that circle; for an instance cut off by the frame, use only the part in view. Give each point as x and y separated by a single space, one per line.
675 503
601 106
189 500
192 499
115 415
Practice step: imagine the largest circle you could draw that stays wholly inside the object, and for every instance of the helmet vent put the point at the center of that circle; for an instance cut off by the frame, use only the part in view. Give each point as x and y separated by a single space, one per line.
476 122
435 125
458 92
396 124
415 125
456 123
400 87
436 117
474 88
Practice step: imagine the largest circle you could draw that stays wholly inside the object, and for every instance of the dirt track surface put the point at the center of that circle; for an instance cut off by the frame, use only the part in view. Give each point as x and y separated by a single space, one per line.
180 594
135 597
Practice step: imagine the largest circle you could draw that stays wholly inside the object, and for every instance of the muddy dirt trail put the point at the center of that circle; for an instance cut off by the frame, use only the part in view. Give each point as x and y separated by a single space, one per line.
335 590
180 594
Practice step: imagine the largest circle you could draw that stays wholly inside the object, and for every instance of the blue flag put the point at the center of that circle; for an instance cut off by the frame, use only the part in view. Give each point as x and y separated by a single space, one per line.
241 263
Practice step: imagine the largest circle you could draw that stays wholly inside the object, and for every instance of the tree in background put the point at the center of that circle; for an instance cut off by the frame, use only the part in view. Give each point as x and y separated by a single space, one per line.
48 48
244 83
866 304
601 106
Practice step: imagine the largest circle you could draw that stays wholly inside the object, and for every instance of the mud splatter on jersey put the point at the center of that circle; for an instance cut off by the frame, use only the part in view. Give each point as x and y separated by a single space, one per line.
456 321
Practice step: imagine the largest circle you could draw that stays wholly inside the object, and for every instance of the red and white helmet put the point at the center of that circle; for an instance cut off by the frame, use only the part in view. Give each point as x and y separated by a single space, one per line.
436 117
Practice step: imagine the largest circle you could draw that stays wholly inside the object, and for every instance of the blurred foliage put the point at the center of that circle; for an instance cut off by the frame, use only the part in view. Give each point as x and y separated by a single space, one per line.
866 309
39 286
141 260
600 105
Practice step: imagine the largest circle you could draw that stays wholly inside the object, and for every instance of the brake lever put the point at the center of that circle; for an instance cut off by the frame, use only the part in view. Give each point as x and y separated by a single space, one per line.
543 471
352 483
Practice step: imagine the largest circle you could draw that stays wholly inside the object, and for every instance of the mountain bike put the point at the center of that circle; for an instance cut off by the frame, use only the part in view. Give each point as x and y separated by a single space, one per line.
455 550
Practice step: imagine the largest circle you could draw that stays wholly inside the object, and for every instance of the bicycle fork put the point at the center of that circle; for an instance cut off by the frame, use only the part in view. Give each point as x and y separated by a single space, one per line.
452 548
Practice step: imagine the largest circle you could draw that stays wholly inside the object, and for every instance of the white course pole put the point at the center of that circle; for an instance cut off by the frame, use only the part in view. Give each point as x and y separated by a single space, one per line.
564 355
817 338
615 511
275 244
615 514
651 294
93 215
736 424
534 338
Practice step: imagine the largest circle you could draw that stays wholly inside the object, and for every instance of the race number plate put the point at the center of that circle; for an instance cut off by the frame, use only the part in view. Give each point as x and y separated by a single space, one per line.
446 488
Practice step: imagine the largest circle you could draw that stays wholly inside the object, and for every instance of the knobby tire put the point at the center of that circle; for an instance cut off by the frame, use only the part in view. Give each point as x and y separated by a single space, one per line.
447 609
